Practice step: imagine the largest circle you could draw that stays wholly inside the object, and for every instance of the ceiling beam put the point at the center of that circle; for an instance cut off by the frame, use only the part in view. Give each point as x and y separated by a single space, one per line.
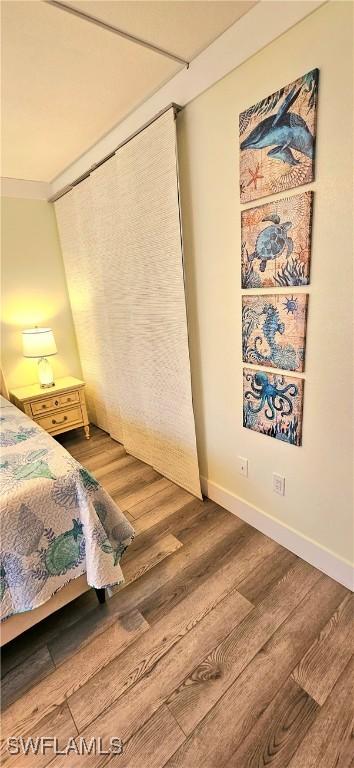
111 28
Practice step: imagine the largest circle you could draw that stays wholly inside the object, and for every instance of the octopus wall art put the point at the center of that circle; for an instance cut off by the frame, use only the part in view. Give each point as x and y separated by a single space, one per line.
272 405
277 139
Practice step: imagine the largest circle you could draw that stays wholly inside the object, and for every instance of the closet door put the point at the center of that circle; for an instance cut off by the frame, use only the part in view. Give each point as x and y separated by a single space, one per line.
106 254
121 239
83 270
156 397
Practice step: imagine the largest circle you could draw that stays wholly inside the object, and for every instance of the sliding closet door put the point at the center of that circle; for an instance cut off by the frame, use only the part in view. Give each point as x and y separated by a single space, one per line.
124 291
121 239
76 225
156 398
105 240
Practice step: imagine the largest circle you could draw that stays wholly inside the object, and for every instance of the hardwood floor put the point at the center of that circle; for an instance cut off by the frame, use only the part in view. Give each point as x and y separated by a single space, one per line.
222 649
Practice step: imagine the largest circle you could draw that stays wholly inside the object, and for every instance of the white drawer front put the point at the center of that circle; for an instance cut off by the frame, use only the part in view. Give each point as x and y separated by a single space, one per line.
68 399
52 403
63 418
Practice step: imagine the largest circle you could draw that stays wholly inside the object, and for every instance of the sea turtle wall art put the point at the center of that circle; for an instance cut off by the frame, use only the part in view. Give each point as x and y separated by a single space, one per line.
272 405
274 330
276 243
277 140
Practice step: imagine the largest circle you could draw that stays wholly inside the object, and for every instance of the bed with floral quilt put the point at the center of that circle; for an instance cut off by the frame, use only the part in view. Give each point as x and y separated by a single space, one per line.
57 522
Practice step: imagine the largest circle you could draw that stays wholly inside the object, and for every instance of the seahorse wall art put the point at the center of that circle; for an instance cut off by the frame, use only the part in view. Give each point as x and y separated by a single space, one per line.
276 243
274 330
277 140
272 405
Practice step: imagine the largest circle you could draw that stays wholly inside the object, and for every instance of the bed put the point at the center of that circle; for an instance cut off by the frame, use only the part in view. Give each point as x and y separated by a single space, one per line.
61 533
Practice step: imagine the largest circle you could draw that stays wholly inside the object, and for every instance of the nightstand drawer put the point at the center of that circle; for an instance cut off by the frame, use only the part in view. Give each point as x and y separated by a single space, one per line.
52 403
69 399
61 419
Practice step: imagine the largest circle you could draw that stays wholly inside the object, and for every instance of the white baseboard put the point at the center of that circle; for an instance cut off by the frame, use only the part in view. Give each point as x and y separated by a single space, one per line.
326 561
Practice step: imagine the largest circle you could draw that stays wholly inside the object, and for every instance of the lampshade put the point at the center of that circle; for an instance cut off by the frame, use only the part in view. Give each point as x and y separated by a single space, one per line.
38 342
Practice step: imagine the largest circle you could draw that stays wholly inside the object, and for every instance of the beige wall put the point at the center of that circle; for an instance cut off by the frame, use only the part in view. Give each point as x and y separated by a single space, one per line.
319 476
33 289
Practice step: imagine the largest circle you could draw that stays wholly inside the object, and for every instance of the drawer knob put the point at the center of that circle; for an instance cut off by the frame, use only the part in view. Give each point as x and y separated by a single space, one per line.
56 402
54 421
44 405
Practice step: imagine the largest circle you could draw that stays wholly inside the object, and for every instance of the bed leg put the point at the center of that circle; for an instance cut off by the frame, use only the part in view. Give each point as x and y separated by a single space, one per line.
101 595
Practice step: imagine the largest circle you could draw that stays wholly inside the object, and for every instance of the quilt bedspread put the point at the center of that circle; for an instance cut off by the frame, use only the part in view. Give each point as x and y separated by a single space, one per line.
57 522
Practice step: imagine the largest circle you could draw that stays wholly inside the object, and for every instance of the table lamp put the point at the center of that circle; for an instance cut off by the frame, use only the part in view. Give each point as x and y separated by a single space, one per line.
40 343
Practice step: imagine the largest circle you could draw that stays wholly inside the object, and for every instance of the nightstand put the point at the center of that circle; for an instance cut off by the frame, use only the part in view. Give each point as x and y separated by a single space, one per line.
57 409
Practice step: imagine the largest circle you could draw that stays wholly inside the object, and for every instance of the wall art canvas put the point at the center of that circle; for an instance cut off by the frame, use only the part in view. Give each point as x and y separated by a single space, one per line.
276 243
274 330
277 140
272 405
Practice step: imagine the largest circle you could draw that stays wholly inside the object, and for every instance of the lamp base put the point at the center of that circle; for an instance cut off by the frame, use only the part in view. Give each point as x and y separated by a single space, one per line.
45 374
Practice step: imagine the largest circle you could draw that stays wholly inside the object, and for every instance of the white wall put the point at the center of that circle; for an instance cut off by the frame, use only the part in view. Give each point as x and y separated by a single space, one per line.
33 289
319 476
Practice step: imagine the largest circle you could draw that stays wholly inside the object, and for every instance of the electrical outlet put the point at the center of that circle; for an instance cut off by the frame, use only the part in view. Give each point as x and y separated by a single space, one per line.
279 484
243 466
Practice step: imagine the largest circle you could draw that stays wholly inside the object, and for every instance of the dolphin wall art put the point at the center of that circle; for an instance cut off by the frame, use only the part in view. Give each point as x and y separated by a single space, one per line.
277 140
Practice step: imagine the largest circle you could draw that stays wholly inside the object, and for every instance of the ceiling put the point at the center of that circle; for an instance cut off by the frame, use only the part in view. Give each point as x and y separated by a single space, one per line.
66 82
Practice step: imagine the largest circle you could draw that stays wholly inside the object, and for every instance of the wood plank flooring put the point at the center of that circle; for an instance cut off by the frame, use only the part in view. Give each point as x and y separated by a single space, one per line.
221 650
